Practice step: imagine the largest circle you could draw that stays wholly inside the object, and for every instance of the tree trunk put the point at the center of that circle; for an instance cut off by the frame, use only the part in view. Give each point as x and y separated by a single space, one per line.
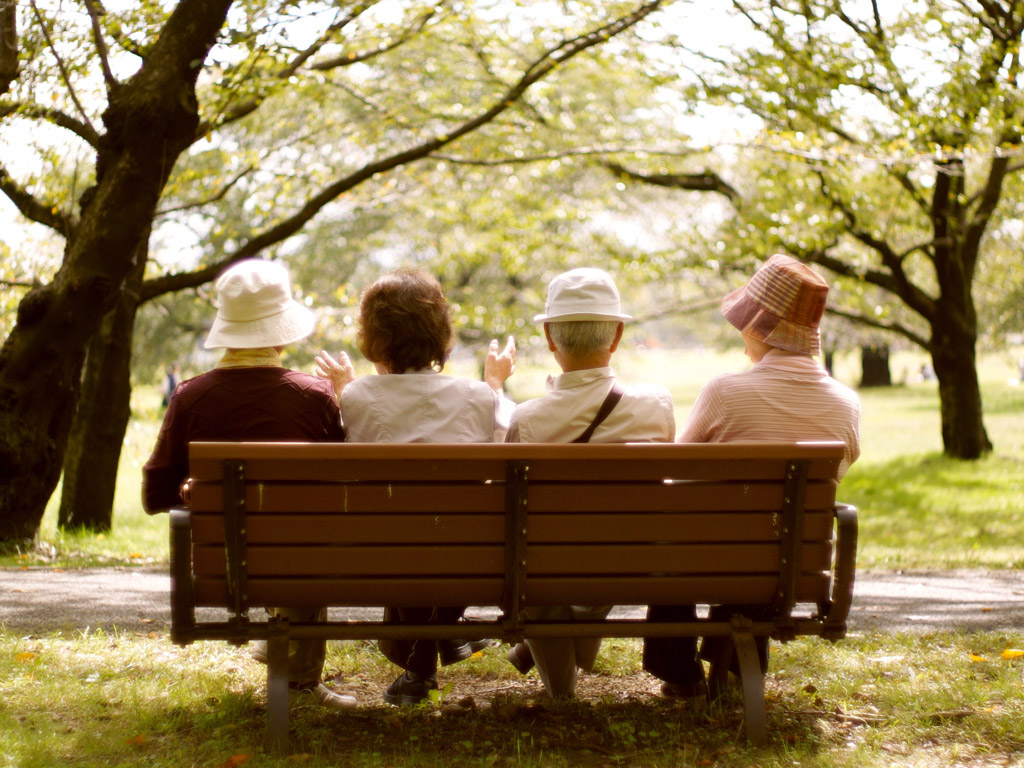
954 360
97 433
875 367
150 120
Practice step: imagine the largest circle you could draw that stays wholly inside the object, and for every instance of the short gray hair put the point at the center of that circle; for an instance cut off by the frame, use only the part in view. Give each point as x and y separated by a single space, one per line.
583 337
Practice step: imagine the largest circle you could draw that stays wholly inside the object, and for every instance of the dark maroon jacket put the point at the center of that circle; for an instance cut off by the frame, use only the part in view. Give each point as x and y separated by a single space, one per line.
234 404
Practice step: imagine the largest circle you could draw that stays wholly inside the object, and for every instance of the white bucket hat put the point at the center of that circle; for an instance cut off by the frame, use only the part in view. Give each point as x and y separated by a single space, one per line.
582 294
255 308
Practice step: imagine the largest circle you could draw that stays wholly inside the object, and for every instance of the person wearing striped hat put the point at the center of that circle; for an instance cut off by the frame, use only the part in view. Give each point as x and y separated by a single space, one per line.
786 396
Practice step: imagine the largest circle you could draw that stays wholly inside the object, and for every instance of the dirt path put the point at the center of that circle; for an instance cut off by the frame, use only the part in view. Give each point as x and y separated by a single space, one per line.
134 599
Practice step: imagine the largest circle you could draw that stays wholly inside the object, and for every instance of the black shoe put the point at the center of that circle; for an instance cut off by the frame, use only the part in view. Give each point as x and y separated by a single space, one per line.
452 651
520 657
410 689
697 690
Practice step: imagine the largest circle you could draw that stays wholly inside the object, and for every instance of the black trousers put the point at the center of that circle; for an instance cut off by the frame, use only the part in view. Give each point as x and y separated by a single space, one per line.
418 656
673 659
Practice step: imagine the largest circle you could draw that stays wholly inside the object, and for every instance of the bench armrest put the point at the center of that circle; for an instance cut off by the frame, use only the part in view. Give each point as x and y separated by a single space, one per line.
183 604
834 626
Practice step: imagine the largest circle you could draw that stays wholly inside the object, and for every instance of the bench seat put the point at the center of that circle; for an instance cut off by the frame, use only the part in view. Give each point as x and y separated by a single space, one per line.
511 526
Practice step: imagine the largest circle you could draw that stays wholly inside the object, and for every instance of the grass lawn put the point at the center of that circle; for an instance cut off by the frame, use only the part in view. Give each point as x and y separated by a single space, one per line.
114 700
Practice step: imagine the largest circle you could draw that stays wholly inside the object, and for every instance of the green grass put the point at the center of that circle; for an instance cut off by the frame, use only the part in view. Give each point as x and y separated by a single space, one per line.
918 508
127 700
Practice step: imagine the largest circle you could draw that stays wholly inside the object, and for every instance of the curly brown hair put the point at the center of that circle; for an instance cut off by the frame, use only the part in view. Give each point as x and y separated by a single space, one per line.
405 322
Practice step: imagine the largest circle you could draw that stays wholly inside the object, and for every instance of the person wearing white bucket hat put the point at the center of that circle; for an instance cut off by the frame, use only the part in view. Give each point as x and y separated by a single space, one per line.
583 324
786 395
249 395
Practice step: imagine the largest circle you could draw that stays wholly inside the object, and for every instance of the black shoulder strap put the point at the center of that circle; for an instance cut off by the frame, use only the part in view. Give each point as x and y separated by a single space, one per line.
602 413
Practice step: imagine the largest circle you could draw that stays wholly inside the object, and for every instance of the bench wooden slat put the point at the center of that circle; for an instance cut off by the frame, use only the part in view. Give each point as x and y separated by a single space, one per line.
379 498
544 527
296 528
418 592
669 590
452 498
667 558
684 528
214 452
476 560
359 561
352 462
348 470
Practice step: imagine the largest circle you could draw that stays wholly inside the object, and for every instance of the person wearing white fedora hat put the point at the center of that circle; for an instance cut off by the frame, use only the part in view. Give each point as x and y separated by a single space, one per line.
249 395
786 395
583 324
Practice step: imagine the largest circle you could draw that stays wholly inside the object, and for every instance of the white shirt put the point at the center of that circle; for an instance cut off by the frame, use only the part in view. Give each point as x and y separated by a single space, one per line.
422 407
644 414
782 398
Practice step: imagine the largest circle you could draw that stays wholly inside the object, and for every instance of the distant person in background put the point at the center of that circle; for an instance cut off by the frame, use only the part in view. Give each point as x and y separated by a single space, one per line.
405 331
249 395
786 396
583 325
169 383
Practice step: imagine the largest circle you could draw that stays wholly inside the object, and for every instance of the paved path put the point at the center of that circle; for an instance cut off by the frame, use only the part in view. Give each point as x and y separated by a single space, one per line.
137 600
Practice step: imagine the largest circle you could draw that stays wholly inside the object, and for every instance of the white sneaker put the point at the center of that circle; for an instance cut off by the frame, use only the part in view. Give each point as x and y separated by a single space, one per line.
321 695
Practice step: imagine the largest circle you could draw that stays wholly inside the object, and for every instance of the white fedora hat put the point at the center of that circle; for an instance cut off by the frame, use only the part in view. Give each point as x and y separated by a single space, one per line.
255 308
582 294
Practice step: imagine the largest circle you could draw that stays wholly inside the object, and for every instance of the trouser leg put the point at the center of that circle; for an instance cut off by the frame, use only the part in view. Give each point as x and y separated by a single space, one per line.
712 645
305 657
673 659
559 658
418 656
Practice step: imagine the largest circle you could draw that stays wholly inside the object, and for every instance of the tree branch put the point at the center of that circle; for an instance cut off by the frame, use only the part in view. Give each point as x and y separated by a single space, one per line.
680 310
896 279
319 43
561 154
247 107
347 59
20 284
871 322
65 76
538 69
218 195
917 300
708 181
61 119
101 47
980 220
33 209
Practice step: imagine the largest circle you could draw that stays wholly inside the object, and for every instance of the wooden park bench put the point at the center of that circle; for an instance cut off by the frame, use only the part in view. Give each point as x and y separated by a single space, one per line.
510 526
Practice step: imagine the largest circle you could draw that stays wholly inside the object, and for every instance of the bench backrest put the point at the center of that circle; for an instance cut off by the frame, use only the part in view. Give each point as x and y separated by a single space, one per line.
507 525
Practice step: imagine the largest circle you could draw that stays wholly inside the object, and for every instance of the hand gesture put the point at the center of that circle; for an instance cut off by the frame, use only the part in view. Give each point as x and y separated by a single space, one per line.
340 371
498 366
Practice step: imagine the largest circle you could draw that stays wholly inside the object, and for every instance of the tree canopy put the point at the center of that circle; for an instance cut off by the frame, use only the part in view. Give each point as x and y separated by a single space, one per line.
242 123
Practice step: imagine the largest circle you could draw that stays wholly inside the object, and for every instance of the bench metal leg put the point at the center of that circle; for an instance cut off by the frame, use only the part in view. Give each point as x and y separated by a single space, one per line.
753 687
277 686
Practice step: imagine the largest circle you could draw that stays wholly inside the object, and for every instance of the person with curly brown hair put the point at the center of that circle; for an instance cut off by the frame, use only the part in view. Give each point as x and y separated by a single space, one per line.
405 330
